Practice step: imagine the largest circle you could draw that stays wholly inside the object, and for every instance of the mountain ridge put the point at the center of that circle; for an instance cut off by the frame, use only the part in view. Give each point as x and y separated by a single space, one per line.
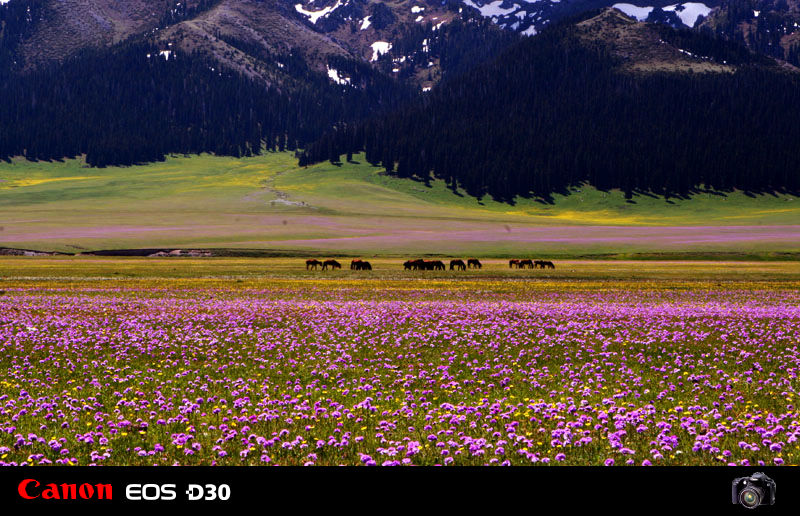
360 30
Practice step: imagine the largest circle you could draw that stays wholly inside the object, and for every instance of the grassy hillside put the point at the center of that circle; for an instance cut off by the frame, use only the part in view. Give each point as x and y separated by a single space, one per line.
366 189
267 202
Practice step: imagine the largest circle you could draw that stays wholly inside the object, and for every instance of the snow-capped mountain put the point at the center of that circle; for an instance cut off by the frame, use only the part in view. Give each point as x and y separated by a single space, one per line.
524 16
240 33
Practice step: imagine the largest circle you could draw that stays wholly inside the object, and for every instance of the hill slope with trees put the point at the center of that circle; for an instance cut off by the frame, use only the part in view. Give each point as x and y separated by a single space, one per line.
650 109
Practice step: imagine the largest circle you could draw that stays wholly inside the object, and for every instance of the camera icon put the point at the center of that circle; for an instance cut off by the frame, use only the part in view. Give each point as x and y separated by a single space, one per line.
750 492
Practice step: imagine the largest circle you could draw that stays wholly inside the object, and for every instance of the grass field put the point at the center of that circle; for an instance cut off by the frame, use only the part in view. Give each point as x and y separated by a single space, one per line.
257 361
267 202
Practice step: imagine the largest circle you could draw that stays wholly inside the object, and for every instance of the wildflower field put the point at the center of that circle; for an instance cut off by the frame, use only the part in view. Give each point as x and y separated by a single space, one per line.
259 362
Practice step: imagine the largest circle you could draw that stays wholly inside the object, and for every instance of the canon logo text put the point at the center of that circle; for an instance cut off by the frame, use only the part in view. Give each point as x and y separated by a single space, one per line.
31 489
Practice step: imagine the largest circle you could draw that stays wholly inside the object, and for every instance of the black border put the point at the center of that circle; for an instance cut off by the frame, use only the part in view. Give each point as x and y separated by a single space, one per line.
634 490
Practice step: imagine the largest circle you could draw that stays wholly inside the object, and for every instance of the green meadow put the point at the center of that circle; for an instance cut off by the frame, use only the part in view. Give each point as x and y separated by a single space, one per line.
269 203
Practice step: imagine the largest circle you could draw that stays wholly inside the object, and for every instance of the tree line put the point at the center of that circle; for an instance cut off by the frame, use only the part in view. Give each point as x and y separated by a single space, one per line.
131 104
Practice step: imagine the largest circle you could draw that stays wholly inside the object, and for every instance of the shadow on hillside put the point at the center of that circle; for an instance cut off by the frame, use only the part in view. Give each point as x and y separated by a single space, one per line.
669 197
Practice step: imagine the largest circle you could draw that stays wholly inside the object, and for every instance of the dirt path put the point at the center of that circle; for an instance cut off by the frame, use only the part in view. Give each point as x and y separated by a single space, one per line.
269 188
282 197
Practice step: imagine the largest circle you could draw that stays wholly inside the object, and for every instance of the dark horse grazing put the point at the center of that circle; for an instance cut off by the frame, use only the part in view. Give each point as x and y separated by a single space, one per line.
424 265
312 264
457 265
354 264
548 264
333 264
525 264
432 265
418 264
513 263
474 263
361 265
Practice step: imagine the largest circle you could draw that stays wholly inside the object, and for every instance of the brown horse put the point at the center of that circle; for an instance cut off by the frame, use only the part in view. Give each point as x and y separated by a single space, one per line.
418 264
354 264
525 264
548 264
361 265
333 264
312 264
474 263
513 263
458 265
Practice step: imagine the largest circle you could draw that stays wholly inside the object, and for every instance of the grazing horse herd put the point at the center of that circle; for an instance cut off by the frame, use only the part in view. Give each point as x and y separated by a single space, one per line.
530 264
313 264
430 265
437 265
423 265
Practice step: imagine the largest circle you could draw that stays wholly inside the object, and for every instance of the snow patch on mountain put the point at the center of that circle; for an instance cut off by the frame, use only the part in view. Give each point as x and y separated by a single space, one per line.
379 48
166 54
313 16
689 12
334 76
640 13
493 9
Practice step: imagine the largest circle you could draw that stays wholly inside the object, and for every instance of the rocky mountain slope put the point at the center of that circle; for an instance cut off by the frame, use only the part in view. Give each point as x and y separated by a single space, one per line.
239 34
771 27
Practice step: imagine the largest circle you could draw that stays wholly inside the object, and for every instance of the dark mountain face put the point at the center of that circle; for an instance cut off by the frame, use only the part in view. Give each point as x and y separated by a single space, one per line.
771 27
238 33
605 100
43 31
251 36
215 76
